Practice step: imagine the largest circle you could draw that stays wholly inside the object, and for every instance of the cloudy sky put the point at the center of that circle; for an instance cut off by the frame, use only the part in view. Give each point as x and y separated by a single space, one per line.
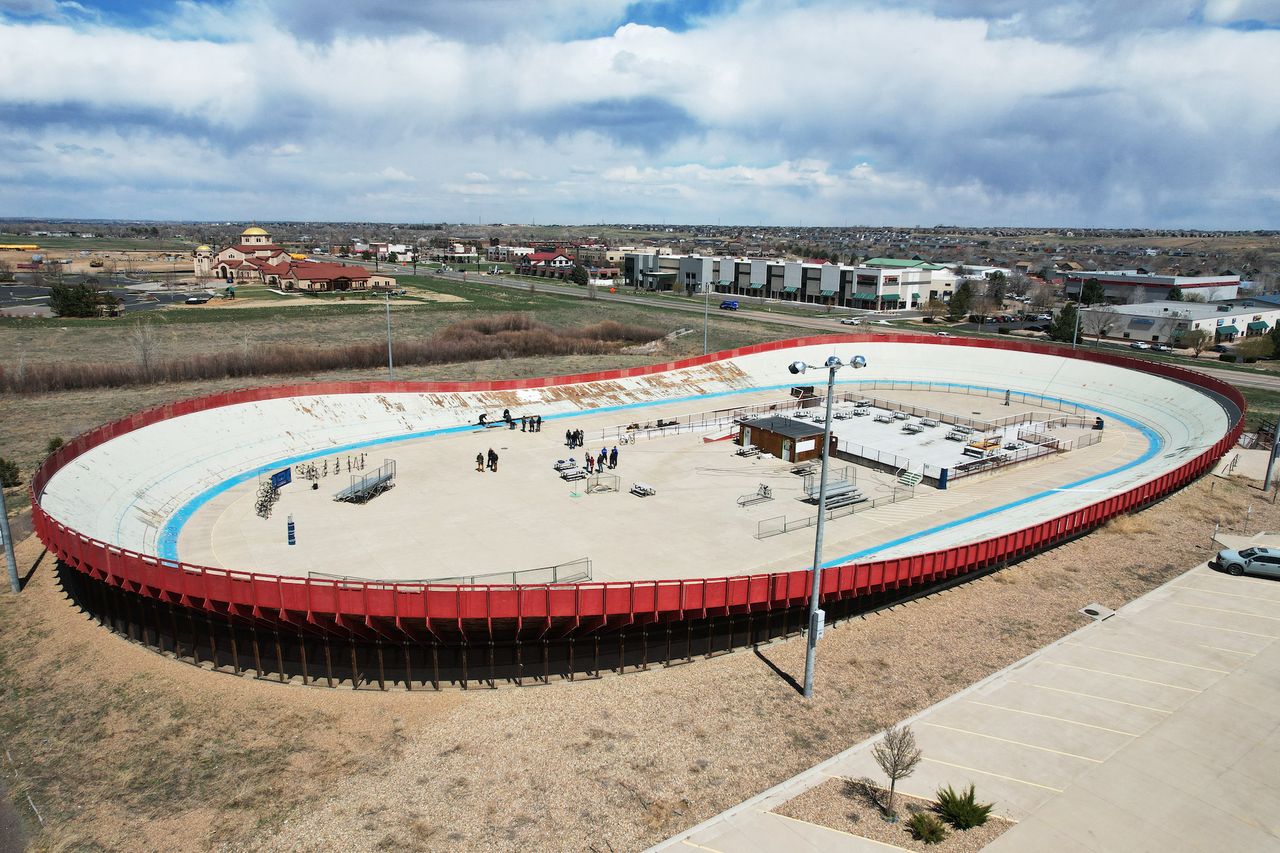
917 112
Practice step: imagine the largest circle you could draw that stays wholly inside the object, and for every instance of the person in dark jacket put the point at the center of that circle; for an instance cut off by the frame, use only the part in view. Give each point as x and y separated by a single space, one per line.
493 460
480 462
613 457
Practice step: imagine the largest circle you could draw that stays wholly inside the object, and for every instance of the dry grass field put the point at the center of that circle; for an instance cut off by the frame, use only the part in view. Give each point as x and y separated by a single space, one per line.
122 749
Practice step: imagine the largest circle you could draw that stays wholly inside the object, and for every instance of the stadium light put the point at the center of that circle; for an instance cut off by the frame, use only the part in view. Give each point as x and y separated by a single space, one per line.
816 616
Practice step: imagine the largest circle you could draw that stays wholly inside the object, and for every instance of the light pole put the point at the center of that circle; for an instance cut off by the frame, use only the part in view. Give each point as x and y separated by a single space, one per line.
391 371
816 616
7 535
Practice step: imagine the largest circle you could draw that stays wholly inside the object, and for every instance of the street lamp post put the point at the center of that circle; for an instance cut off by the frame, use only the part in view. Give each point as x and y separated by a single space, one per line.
816 616
7 535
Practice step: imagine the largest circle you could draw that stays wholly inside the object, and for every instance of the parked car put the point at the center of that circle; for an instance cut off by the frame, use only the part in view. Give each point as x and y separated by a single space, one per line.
1139 345
729 305
1044 316
197 300
883 323
851 321
1218 348
943 335
1161 348
1251 561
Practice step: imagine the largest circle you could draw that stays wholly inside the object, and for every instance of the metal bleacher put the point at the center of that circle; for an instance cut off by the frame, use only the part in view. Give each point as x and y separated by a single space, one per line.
366 487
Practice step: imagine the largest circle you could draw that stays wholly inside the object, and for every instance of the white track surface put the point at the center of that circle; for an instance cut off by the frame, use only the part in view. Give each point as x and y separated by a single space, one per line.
443 519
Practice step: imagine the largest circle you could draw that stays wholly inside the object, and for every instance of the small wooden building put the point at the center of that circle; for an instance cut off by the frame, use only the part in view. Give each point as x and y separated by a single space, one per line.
786 438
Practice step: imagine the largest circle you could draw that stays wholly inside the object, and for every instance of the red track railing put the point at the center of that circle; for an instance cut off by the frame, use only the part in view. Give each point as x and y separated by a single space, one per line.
408 609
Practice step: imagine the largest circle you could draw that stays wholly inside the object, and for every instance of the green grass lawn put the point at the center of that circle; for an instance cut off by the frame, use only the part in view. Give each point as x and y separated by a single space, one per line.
100 244
1263 406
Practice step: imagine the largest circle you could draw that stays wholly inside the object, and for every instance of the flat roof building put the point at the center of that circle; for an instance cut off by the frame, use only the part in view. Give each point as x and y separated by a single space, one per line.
1168 321
1130 286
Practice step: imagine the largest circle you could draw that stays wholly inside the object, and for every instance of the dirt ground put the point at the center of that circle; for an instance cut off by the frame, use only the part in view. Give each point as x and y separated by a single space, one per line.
122 749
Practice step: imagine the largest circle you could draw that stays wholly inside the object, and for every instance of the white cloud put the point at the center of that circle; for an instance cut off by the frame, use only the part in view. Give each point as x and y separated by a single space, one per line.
772 113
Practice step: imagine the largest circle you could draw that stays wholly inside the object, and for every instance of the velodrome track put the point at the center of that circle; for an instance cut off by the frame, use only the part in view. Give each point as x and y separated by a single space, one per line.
112 504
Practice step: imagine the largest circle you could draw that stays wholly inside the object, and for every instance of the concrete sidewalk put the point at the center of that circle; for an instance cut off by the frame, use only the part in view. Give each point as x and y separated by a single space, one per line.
1157 729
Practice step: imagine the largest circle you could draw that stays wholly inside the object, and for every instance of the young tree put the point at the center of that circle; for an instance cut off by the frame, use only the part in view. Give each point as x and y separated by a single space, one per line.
143 338
897 755
6 271
1100 322
1092 292
1195 340
959 305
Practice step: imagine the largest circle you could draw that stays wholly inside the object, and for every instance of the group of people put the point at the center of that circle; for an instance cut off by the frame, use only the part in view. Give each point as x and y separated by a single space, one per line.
598 463
491 463
528 423
573 438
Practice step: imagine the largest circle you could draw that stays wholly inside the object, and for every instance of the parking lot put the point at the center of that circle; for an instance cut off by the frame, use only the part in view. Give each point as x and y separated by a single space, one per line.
1155 729
30 300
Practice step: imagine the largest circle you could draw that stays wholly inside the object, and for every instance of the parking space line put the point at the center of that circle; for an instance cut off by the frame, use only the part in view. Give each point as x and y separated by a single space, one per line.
1218 628
1148 657
1015 742
1118 675
832 829
996 775
1229 594
1092 696
1229 651
699 846
1224 610
1051 717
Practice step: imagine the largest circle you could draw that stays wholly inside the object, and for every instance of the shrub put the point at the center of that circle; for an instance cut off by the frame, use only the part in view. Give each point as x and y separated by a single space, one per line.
961 810
1226 356
1003 330
9 475
53 445
926 827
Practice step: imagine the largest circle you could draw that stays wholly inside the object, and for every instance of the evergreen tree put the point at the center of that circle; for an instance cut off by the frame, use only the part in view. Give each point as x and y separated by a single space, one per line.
578 275
1175 294
1064 325
960 300
75 300
1093 292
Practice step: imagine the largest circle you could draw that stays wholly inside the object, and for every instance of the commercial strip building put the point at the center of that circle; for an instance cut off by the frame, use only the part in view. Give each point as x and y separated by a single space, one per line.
879 284
1167 321
1131 286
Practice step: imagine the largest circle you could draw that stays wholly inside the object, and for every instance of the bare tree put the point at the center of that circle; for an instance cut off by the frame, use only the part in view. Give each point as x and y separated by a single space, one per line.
1042 297
897 755
1196 340
1100 322
934 307
143 338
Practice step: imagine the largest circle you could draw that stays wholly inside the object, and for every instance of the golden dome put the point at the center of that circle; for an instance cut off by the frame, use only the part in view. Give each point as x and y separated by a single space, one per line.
203 248
253 231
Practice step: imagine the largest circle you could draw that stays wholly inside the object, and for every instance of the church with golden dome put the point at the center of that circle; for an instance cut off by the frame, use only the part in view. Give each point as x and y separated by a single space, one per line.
256 259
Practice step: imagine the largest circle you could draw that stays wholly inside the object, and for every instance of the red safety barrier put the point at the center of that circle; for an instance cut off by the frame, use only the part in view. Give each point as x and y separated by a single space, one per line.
415 611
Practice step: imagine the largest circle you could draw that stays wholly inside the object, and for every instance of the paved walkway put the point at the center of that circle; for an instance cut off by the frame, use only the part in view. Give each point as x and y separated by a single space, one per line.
1157 729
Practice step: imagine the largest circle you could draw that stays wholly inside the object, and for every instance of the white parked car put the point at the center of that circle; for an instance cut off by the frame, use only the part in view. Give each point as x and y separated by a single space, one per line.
851 321
1139 345
883 323
943 335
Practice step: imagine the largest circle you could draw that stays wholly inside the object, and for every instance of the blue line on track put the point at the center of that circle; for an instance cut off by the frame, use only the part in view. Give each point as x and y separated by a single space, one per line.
167 541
